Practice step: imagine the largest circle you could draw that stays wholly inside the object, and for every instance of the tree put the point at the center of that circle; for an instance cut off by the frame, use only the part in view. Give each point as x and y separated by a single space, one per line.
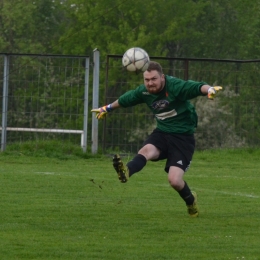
29 27
158 28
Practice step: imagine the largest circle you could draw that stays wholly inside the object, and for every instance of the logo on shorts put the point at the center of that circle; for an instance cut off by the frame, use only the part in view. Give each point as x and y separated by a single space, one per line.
180 162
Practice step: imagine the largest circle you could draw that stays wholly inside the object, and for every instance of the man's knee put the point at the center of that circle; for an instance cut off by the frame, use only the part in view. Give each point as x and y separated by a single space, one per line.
150 152
175 178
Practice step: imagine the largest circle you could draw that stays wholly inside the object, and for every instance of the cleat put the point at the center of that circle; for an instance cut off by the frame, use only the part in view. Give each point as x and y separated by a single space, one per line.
122 171
193 209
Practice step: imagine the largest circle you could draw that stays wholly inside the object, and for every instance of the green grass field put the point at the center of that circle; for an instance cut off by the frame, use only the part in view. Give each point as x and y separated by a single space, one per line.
75 208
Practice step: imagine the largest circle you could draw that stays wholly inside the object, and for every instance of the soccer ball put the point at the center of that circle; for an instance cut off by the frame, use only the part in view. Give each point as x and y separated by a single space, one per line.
136 60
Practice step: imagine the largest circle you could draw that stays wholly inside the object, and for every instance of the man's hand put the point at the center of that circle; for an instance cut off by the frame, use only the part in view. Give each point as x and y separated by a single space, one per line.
102 111
212 91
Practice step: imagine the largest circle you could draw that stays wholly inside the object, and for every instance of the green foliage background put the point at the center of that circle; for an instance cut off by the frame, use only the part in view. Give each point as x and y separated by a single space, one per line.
172 28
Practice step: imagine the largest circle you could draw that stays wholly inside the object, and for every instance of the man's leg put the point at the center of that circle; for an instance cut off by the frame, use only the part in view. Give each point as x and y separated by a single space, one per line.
175 177
147 152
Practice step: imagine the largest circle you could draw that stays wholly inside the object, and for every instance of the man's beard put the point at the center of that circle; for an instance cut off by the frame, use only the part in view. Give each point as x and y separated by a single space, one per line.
155 90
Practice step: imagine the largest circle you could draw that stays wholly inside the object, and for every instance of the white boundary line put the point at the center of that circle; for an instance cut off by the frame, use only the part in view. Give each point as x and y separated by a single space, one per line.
240 194
223 176
232 193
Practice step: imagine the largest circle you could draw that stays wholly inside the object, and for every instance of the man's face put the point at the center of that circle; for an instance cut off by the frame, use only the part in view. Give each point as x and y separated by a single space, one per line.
153 81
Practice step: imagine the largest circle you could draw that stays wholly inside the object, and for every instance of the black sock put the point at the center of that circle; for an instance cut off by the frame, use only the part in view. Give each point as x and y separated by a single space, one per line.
136 164
186 195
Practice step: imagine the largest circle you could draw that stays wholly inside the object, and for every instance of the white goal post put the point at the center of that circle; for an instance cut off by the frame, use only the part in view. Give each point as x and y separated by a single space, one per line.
4 128
45 130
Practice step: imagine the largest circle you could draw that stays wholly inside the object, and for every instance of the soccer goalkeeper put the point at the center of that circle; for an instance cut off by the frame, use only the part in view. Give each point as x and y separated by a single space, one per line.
173 138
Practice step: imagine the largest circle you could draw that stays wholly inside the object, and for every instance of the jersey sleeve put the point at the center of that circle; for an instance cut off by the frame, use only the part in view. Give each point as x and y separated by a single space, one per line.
186 90
131 97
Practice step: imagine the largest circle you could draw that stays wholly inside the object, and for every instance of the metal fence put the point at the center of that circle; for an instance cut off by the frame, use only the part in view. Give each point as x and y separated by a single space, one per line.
230 121
48 97
45 97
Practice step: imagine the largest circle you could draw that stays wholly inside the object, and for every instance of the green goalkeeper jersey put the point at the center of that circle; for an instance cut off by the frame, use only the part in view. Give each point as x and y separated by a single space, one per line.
171 107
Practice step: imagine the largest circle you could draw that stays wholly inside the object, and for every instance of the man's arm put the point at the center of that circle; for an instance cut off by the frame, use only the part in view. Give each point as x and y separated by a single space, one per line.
101 112
115 105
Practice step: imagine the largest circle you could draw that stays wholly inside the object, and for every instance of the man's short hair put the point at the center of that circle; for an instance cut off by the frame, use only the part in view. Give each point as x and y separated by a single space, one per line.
155 66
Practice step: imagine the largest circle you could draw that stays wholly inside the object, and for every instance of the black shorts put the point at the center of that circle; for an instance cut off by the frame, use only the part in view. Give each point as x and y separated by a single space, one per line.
178 149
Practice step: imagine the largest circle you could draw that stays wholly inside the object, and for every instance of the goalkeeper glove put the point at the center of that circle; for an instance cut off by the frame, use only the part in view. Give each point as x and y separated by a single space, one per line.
212 91
102 111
